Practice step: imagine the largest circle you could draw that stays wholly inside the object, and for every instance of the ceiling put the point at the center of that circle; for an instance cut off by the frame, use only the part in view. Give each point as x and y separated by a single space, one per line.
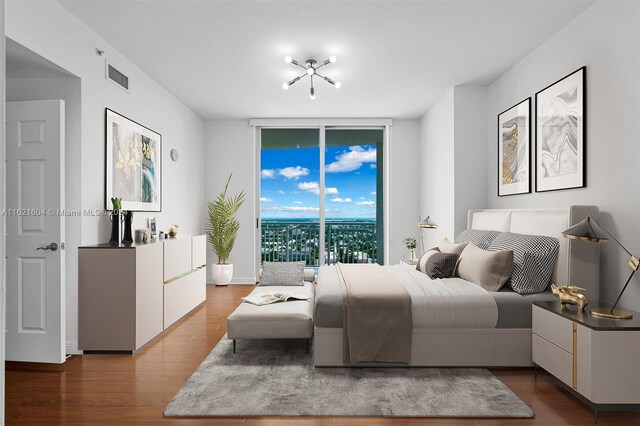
24 63
224 59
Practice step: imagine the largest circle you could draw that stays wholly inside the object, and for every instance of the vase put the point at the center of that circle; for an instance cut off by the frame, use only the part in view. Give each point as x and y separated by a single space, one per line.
412 256
115 227
222 273
128 220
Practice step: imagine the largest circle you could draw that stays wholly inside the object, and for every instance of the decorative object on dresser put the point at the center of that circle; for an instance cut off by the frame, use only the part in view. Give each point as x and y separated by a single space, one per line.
173 231
222 231
591 230
128 222
128 294
411 244
133 167
514 150
152 226
115 218
427 223
597 359
561 134
570 295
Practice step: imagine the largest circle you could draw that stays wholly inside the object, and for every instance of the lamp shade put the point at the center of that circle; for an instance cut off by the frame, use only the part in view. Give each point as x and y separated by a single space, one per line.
427 223
587 230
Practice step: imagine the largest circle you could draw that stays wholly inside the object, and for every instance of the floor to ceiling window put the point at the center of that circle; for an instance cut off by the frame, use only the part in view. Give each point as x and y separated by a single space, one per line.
321 195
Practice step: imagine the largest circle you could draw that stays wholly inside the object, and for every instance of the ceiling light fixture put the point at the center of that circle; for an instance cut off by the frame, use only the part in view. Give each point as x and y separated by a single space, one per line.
311 69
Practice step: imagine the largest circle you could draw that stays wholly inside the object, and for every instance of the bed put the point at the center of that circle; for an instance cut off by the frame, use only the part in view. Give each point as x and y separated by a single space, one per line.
496 334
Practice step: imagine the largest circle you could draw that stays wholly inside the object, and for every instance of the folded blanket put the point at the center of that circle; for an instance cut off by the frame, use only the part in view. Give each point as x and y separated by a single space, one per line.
377 315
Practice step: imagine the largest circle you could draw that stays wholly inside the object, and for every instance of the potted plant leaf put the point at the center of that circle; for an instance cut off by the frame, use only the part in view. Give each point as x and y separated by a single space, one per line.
222 230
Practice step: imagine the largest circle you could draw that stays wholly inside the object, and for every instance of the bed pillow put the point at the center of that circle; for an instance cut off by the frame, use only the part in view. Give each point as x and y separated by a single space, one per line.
282 273
441 265
478 237
488 269
534 259
447 246
422 261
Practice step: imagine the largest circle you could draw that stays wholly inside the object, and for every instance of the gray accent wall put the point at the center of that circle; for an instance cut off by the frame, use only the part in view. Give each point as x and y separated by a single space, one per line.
605 38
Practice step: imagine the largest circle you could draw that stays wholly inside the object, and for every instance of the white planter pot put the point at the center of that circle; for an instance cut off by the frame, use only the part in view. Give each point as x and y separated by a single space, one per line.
221 274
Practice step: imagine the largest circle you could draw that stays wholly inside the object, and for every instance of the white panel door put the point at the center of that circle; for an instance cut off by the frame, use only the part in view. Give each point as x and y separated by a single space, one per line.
35 328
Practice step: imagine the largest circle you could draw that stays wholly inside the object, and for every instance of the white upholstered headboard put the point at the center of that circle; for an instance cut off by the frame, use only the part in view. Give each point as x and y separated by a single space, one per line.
578 261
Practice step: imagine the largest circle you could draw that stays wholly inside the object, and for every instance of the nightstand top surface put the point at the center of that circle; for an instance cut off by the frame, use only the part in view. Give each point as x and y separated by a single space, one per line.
585 318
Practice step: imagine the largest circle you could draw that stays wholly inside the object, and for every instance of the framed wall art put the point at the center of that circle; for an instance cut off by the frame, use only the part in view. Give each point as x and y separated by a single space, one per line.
561 134
514 150
133 164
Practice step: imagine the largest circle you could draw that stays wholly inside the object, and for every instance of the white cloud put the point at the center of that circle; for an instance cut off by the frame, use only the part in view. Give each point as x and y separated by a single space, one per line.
268 173
340 200
290 209
298 202
293 172
312 187
366 203
373 193
351 160
265 200
373 166
281 192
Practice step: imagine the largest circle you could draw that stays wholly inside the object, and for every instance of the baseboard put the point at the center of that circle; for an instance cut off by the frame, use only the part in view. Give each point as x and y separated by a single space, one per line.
72 348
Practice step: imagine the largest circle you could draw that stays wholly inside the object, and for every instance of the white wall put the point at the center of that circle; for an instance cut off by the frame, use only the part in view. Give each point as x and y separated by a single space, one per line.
605 38
470 127
451 177
67 89
437 177
229 148
2 205
49 30
404 183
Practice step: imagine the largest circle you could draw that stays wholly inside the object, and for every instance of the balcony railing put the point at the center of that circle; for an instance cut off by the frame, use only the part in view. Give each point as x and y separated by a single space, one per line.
346 242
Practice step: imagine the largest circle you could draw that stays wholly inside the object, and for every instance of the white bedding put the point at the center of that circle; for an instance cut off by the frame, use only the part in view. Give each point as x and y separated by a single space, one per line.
446 303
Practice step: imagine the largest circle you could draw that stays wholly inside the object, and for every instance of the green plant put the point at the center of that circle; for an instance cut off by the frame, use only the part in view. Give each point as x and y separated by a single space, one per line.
223 225
410 243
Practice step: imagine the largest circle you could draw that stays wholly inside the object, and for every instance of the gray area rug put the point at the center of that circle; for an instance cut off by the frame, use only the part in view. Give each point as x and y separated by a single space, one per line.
277 378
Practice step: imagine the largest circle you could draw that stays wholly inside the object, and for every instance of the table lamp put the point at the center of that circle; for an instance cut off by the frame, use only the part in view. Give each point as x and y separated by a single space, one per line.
591 230
425 224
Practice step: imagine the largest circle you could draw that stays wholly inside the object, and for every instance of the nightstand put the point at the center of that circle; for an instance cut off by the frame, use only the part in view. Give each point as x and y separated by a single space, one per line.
598 359
406 261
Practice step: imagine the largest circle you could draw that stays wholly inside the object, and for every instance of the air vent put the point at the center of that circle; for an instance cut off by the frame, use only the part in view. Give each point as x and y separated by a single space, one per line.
117 77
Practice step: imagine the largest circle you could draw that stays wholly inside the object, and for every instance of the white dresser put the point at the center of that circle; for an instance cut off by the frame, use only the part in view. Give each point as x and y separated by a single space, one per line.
597 358
130 293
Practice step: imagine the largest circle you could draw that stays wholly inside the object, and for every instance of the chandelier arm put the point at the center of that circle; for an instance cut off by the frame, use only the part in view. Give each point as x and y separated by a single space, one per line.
327 79
298 64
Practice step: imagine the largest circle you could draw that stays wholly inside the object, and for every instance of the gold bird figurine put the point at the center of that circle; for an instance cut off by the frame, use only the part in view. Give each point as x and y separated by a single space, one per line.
569 294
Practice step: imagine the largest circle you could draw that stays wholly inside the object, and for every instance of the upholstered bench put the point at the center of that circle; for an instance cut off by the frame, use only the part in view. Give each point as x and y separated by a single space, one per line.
281 320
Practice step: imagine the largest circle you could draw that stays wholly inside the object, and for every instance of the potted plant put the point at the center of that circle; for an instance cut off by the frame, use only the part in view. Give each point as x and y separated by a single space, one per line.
411 244
222 231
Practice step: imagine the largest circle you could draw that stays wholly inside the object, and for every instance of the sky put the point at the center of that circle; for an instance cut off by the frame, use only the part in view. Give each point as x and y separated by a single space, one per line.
290 182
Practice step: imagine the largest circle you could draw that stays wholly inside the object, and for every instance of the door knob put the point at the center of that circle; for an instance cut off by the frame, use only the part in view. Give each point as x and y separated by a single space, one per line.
52 247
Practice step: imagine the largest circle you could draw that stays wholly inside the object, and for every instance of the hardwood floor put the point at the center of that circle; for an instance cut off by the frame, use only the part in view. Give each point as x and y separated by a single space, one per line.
134 389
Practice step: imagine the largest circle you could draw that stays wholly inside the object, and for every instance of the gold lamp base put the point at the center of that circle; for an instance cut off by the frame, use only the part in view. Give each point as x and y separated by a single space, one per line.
608 314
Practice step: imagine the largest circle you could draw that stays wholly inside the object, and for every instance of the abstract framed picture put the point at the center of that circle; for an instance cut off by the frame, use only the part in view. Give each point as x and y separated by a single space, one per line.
561 134
514 150
133 169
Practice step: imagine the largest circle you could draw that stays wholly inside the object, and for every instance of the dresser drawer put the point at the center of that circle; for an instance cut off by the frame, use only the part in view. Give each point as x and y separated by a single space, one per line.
553 328
555 360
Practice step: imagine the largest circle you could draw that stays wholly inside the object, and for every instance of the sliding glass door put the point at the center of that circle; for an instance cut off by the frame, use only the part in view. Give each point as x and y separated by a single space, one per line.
321 195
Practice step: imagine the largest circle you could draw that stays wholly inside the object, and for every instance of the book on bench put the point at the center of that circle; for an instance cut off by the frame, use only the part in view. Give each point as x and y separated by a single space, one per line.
269 298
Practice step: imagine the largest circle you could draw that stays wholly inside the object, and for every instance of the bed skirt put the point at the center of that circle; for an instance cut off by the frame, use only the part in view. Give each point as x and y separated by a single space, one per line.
497 347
